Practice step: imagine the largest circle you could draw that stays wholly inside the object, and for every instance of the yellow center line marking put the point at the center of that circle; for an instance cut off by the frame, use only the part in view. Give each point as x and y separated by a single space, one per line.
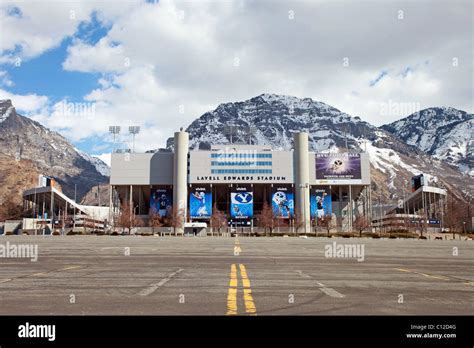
248 299
232 294
233 276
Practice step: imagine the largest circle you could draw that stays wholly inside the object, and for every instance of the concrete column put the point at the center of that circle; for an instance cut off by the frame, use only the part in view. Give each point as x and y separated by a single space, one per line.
111 187
52 210
180 173
301 172
351 209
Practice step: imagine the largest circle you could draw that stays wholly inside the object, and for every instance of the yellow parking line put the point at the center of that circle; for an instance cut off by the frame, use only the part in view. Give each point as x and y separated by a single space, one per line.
232 294
248 299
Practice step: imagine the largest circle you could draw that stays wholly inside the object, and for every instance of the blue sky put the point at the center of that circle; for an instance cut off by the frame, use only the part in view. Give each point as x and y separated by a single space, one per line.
162 65
44 75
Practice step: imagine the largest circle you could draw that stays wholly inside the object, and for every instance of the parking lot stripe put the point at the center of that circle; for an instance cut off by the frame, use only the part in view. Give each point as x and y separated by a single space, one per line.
329 291
323 288
248 299
232 293
153 287
441 277
68 268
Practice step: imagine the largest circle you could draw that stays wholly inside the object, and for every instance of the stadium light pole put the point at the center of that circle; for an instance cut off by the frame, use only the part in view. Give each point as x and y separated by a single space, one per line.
230 131
115 130
251 131
134 130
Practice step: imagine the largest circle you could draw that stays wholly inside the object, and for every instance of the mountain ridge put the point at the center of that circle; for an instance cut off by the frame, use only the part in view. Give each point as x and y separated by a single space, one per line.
22 138
276 117
442 132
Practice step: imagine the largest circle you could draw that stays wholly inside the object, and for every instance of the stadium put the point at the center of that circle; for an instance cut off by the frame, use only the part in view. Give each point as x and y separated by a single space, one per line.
302 188
235 187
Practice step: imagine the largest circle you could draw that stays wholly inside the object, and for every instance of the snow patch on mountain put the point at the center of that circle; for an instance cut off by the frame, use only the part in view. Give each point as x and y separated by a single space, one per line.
99 164
443 132
6 109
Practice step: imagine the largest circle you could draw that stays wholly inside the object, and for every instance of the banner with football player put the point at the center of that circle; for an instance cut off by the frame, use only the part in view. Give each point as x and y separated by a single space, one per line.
200 202
282 202
161 201
320 202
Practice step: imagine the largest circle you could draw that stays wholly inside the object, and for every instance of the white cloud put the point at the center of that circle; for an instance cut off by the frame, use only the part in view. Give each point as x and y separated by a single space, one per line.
106 57
39 26
166 64
28 103
5 79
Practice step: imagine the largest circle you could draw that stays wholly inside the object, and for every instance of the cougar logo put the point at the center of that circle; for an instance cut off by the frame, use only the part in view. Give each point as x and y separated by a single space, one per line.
243 197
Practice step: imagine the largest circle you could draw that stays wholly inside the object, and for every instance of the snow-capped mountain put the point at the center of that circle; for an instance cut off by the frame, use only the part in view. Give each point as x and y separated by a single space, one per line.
445 133
276 117
99 165
24 139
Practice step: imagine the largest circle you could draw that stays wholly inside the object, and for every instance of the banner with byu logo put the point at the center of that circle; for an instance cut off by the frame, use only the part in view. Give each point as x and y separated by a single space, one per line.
241 205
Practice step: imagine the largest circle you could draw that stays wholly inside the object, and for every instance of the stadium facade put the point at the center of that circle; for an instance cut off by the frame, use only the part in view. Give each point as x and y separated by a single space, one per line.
302 188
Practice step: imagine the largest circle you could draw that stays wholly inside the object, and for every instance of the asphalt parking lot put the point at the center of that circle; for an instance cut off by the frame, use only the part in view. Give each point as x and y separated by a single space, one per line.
93 275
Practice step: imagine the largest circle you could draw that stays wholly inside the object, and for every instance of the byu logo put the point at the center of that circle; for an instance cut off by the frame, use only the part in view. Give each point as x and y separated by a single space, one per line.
243 197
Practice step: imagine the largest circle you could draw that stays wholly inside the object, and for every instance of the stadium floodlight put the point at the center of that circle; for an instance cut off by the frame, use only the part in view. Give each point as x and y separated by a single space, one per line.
115 130
134 130
230 131
250 132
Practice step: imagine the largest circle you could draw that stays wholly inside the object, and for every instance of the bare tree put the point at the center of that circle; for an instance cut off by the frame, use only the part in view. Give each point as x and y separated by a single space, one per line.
218 219
277 223
325 222
360 224
265 218
126 219
176 219
298 222
456 213
154 219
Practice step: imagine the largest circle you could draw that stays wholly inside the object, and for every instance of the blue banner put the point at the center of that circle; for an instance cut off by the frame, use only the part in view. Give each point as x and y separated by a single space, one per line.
161 201
321 202
200 203
241 205
282 202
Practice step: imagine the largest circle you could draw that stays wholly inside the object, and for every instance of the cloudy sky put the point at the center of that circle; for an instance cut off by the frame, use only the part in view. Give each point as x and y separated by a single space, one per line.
79 67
